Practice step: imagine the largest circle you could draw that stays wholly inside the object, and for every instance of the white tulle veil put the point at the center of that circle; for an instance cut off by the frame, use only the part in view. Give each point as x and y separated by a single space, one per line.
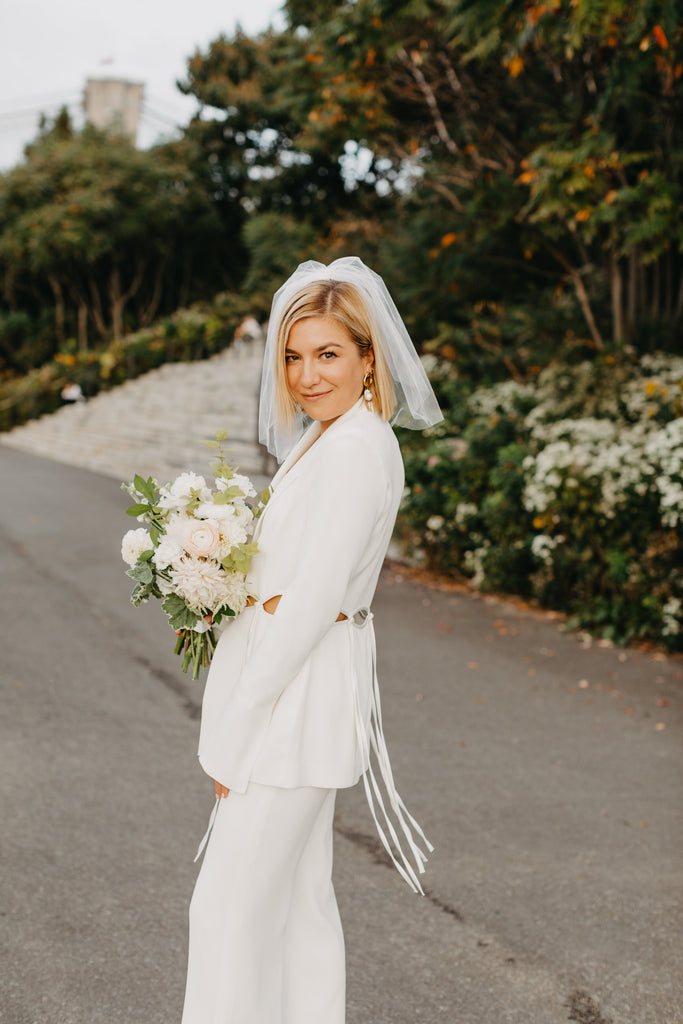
416 405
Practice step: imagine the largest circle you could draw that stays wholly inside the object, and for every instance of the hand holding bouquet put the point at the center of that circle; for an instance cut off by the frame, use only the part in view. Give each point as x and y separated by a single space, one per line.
196 554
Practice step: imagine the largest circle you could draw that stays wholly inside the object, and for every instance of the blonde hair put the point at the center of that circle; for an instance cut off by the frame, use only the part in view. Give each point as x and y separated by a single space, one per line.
343 302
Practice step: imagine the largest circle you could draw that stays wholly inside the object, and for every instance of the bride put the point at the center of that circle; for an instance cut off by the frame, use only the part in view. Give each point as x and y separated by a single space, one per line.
291 709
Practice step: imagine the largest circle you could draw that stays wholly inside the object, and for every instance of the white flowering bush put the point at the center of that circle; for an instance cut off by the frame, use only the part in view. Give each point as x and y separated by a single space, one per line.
568 489
196 553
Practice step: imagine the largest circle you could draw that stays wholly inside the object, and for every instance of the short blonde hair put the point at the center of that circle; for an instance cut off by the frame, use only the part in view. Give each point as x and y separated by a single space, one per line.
343 302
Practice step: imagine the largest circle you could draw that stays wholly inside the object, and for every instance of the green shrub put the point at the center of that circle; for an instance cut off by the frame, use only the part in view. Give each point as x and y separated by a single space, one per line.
188 334
568 489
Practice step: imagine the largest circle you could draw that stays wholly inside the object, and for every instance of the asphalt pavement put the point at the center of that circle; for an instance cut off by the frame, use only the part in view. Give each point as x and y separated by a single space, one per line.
545 769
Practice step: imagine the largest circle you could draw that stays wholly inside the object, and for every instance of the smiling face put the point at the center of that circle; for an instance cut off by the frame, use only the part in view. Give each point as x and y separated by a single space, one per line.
325 368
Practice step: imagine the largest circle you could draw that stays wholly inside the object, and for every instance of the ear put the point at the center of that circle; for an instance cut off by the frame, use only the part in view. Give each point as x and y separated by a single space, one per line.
368 360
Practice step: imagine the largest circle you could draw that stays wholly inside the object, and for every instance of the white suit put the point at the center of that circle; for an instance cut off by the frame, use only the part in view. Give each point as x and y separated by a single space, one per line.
290 714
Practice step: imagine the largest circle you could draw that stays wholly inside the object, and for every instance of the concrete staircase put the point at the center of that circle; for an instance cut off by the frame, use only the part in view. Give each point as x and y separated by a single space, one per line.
154 425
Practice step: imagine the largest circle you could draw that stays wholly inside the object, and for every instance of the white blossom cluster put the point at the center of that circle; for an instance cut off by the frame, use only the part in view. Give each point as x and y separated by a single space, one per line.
501 399
618 460
671 617
543 546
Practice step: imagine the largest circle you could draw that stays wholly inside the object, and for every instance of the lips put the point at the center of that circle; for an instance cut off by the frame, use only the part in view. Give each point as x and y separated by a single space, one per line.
314 398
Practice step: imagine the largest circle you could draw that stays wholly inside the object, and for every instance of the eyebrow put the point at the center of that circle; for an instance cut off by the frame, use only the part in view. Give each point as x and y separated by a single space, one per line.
320 348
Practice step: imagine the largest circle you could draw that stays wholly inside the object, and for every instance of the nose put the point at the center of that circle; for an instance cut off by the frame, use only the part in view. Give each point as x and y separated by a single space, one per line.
309 373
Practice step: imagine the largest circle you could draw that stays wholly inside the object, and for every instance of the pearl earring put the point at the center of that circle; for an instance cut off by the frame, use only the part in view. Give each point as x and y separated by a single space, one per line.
368 381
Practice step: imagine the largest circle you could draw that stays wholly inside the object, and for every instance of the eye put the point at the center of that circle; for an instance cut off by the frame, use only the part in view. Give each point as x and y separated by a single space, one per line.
331 355
290 357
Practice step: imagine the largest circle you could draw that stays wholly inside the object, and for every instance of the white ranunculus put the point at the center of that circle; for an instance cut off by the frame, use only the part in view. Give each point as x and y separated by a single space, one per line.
133 544
202 538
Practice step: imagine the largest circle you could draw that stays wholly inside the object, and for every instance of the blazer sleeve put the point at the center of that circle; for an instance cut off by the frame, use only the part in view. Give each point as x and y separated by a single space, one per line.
346 504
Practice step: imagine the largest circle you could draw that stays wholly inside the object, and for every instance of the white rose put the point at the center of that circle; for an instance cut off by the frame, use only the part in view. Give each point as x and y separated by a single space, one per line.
133 544
202 538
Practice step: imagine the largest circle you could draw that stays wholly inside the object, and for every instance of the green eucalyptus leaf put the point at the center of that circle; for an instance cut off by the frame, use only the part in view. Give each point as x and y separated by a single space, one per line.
137 510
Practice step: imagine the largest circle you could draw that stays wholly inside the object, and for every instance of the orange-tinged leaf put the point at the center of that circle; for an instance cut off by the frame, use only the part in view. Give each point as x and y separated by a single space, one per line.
582 215
589 171
611 195
314 58
526 177
658 33
448 239
515 66
643 175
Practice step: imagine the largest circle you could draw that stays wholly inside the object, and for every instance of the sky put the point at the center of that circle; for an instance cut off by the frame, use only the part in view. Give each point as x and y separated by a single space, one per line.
48 48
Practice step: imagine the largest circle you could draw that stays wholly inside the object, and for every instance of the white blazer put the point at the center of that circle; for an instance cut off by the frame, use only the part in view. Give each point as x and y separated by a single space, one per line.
280 701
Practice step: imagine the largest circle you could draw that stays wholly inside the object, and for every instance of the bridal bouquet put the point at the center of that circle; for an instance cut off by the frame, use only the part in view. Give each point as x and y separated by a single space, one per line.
196 553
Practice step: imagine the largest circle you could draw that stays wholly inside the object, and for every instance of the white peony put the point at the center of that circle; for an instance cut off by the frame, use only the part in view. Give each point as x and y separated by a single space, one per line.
171 545
204 586
133 544
236 592
238 480
177 495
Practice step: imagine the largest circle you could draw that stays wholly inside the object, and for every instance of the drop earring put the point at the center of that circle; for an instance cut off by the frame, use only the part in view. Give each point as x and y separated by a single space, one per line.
368 381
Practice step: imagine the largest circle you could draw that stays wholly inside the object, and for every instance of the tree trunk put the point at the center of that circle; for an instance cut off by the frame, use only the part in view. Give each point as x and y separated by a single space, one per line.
152 306
96 309
581 294
656 287
632 308
679 304
59 306
118 299
82 325
116 304
617 289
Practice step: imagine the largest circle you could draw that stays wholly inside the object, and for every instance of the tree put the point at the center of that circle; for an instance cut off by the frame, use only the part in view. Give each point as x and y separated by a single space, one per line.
104 233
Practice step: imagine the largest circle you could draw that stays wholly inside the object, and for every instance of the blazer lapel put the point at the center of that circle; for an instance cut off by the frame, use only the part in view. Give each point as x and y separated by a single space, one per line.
281 477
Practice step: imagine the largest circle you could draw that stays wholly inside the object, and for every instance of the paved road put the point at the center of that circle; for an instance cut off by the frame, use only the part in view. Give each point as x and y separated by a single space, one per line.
546 772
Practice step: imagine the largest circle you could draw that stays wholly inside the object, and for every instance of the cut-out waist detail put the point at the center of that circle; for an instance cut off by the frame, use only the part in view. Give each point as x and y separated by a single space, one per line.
271 604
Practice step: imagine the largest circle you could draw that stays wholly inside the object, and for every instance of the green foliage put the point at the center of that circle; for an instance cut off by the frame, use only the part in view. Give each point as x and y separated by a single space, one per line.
179 615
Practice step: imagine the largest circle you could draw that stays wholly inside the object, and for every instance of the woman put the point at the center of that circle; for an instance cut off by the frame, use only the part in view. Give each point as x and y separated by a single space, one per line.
291 707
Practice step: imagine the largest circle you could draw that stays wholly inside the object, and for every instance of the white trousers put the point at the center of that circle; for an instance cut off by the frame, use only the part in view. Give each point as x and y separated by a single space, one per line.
266 943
